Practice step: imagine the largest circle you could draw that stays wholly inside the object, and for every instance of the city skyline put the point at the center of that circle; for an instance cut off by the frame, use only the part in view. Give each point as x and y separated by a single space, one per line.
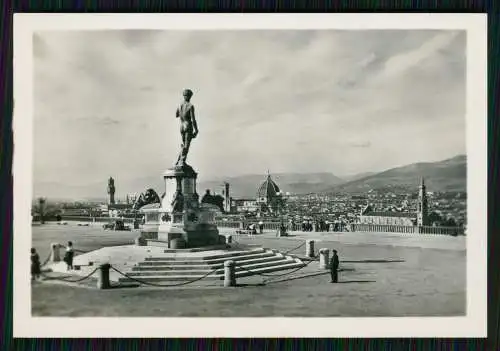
343 102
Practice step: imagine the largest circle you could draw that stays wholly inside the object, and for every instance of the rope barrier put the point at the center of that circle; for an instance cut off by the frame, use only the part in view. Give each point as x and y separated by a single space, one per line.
308 276
46 261
236 242
70 281
163 285
298 247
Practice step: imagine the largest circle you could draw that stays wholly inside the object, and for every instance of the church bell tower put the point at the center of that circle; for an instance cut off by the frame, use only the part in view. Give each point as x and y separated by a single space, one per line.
422 206
227 198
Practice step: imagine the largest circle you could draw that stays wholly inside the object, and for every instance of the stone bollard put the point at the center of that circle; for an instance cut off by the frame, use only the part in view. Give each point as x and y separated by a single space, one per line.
55 253
324 256
310 248
229 274
229 239
103 276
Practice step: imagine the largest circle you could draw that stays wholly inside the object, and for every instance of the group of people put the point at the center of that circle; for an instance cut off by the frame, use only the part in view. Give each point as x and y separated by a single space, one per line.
318 226
36 266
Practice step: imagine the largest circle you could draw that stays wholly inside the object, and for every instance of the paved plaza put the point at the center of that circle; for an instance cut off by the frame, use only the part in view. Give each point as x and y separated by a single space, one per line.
381 275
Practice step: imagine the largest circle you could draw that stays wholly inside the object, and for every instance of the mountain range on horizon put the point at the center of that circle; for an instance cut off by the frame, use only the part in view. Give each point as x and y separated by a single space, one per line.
446 175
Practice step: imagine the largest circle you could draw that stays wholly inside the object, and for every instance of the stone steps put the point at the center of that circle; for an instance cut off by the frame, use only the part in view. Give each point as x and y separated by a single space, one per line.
229 254
248 263
256 266
174 265
164 278
215 276
166 273
293 265
187 261
194 270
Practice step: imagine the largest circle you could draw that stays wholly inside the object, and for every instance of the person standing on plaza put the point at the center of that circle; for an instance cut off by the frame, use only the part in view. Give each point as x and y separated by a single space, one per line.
334 266
36 268
68 256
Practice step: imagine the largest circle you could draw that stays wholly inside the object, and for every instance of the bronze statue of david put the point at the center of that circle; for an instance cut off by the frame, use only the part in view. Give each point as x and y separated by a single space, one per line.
189 128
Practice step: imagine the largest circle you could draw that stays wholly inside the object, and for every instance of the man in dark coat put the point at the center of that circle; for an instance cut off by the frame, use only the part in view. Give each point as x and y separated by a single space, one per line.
334 266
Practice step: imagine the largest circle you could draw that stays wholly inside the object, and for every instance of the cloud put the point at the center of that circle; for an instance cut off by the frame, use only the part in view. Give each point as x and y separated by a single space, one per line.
339 101
364 144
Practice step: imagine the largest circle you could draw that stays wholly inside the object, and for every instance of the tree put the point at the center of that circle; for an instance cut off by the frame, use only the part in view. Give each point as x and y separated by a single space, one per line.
277 204
434 217
41 209
450 222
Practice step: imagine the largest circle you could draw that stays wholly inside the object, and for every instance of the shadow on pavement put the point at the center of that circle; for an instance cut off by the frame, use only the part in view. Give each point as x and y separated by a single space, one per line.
373 261
249 284
355 281
124 286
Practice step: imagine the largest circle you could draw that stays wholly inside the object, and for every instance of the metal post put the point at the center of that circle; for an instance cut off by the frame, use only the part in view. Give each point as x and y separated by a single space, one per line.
229 274
55 254
324 255
310 248
103 277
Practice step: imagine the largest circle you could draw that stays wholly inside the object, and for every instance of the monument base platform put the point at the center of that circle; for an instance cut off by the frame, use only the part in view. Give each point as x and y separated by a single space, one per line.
180 237
159 243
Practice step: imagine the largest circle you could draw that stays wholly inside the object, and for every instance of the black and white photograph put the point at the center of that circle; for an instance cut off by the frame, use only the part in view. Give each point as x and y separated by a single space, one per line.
331 175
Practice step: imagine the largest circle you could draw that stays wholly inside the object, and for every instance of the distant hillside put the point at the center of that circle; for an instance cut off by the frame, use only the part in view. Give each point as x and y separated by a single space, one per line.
447 175
240 187
351 178
246 186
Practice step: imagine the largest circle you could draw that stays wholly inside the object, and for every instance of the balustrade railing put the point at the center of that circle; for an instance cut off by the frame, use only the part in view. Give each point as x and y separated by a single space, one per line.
273 226
382 228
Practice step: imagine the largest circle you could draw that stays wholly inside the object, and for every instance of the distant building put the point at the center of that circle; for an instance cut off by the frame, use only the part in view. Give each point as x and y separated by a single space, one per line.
267 199
422 205
244 205
268 195
111 190
420 218
131 198
227 197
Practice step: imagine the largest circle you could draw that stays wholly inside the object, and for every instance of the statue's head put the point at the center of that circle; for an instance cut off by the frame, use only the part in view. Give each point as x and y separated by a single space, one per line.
187 93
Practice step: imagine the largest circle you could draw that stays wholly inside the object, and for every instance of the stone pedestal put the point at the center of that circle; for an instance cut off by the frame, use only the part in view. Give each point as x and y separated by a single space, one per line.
103 276
229 273
324 256
180 216
55 252
310 248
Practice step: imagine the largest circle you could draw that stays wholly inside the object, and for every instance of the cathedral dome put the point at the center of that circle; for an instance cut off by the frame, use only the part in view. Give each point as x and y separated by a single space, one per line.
268 190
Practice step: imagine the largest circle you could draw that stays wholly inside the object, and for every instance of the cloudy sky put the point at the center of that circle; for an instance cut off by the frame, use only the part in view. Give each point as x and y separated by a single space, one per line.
288 101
